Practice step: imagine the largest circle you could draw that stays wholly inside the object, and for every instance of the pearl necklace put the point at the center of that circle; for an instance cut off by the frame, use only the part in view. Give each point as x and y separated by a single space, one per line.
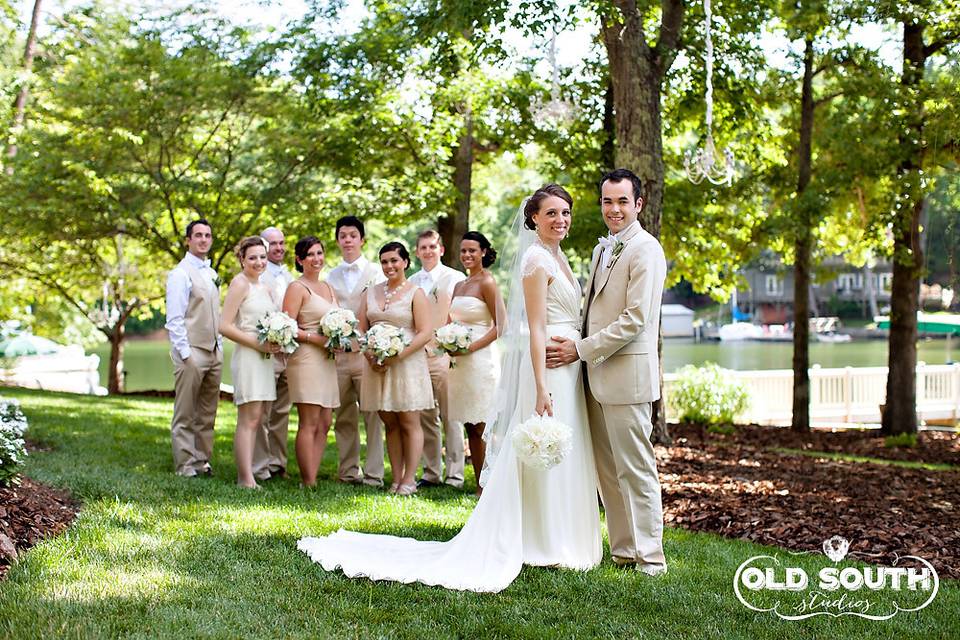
388 295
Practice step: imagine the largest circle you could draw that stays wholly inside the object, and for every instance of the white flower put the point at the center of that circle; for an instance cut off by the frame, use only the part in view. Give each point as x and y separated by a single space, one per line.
384 341
453 337
542 442
278 328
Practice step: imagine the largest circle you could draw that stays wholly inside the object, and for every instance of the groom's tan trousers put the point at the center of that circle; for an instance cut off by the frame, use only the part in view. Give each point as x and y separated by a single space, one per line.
628 480
347 428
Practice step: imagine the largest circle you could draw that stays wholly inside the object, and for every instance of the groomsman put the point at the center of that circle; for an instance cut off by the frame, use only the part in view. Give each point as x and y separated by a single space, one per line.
193 324
270 446
437 281
620 327
349 281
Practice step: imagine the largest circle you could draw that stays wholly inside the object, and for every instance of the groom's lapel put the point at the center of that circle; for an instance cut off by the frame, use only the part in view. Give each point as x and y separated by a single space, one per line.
628 235
598 253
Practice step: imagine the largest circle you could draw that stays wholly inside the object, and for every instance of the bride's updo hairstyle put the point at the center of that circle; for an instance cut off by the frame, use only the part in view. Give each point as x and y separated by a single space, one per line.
541 194
489 253
244 245
399 248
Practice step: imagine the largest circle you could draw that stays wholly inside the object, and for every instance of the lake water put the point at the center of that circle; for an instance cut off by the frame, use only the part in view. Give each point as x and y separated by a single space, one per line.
148 363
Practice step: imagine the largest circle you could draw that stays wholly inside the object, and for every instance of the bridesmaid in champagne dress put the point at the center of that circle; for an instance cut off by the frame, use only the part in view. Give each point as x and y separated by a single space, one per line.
400 387
311 369
252 367
476 304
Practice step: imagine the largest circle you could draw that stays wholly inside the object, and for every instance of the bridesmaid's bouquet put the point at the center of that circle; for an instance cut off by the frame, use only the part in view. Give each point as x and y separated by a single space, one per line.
542 442
278 328
340 327
453 338
384 341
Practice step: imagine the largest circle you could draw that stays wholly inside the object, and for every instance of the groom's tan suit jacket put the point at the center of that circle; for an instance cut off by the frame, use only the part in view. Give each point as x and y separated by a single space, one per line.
621 320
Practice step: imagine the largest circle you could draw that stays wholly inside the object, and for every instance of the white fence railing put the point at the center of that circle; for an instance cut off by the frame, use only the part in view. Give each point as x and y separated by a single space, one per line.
847 395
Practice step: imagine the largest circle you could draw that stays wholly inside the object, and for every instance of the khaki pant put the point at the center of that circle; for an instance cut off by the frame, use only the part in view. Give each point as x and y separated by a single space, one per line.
270 447
196 384
453 455
629 484
347 429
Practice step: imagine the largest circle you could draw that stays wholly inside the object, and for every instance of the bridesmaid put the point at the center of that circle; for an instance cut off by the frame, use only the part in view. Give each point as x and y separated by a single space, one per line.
476 304
311 374
399 388
253 383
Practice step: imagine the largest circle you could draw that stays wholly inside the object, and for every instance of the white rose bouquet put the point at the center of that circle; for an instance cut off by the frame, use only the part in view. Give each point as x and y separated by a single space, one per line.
542 442
278 328
384 341
453 338
340 327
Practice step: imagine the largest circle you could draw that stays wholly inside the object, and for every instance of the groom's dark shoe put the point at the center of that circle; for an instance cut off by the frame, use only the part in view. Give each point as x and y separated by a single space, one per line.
623 562
426 484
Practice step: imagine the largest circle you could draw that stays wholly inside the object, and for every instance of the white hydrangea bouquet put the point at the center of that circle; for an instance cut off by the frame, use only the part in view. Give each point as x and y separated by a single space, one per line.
453 338
341 327
278 328
384 341
12 446
542 442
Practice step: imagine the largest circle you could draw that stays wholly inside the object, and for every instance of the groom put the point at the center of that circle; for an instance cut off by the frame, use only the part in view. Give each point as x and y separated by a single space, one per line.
620 322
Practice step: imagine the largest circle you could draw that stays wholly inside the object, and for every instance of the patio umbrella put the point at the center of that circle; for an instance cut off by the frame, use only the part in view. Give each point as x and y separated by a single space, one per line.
27 344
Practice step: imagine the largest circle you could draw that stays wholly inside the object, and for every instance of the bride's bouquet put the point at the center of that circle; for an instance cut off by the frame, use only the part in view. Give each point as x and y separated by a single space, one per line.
542 442
278 328
453 338
340 327
384 341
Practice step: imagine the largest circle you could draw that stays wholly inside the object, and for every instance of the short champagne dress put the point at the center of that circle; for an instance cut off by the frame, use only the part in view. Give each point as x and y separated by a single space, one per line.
473 378
404 386
253 378
311 373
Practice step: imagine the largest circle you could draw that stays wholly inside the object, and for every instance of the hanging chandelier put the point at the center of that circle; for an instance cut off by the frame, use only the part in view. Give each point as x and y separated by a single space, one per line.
555 111
707 162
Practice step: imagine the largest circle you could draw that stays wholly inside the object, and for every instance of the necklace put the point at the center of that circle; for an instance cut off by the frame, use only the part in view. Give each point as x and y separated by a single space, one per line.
388 295
554 250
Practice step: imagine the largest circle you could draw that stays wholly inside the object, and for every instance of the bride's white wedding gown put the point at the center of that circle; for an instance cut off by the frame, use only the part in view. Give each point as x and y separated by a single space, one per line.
525 516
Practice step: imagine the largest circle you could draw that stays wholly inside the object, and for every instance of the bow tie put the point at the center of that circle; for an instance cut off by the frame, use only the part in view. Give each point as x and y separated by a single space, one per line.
606 242
205 263
353 267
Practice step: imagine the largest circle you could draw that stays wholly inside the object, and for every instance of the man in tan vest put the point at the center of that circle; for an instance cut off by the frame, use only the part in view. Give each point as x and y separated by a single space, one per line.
193 324
620 325
349 281
270 446
437 281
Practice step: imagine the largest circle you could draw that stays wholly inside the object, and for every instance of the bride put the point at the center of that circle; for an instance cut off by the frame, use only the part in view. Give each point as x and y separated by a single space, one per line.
525 516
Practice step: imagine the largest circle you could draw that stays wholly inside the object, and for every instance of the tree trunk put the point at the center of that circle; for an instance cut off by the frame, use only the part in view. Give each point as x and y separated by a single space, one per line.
115 370
636 77
802 248
20 105
900 414
453 225
608 149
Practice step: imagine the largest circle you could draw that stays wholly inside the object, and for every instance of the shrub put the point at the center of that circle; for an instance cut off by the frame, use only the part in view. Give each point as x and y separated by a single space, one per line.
906 440
708 394
12 449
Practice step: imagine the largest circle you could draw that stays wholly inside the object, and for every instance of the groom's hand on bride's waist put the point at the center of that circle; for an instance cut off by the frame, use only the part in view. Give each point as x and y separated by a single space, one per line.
561 351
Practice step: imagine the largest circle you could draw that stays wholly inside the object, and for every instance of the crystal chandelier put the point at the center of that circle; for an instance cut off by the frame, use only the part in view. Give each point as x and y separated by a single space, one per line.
555 111
707 163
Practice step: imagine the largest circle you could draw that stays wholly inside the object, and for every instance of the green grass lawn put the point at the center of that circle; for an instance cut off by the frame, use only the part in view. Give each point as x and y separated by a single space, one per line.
153 555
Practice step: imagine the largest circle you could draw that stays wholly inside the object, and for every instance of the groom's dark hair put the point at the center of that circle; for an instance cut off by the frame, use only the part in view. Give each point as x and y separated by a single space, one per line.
619 175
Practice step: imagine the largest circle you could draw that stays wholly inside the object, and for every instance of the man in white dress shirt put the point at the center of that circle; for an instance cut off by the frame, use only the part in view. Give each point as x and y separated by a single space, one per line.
193 323
270 447
438 280
349 281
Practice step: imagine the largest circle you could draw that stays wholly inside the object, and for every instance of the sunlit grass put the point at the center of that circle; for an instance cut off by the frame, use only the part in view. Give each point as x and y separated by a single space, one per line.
154 555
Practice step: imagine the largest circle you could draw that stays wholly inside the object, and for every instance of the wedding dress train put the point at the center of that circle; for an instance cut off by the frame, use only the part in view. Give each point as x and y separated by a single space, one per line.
525 516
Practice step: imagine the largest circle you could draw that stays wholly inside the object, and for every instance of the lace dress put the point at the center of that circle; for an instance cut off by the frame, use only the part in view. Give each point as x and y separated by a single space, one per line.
405 385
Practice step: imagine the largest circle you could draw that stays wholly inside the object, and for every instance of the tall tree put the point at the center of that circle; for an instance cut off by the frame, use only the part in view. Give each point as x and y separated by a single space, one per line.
20 105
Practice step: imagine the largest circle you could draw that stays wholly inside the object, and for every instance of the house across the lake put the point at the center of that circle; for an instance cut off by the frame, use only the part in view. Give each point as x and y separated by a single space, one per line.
839 289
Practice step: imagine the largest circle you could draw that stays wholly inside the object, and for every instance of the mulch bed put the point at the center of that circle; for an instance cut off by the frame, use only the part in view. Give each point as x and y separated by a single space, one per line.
29 513
736 486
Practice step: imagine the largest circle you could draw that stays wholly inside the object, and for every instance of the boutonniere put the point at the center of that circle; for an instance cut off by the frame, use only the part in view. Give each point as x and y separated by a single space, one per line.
434 294
617 250
370 283
217 281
